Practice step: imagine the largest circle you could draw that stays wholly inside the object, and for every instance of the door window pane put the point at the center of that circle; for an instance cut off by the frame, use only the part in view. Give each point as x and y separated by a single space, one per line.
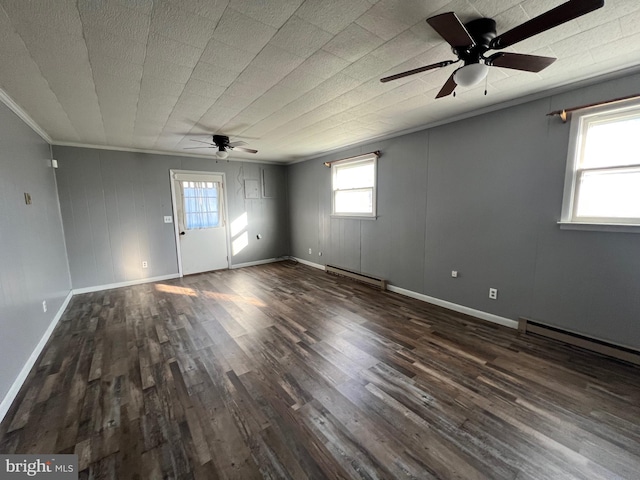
201 204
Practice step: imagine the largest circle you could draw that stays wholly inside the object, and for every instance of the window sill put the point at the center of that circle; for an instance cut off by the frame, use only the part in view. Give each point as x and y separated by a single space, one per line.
600 227
353 217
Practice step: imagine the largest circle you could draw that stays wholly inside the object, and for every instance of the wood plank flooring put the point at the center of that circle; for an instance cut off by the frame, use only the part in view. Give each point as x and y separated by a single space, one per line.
284 372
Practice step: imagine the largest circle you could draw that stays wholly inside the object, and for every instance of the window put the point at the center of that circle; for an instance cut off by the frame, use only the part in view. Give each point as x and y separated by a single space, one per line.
602 183
353 184
201 204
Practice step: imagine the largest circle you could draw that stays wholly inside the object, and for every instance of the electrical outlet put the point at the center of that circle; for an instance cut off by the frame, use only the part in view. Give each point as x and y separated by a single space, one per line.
145 264
454 273
168 219
493 293
44 306
309 251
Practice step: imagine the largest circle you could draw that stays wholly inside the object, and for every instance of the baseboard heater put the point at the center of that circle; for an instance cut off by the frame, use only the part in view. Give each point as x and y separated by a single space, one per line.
630 355
378 282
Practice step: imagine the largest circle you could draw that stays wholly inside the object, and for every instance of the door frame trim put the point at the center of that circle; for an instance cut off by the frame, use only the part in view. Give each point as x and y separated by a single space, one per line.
176 229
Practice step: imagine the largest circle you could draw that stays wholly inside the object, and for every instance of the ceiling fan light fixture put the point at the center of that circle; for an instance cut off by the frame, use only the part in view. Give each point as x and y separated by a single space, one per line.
222 153
470 74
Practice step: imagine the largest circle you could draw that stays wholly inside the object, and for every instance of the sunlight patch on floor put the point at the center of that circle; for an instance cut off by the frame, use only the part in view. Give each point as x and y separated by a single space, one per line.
176 290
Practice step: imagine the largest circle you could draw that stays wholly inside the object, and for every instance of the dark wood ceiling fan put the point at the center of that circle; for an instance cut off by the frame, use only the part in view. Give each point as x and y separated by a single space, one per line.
472 40
222 143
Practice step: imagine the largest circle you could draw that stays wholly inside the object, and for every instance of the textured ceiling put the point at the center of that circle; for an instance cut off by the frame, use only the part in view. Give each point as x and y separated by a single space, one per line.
292 78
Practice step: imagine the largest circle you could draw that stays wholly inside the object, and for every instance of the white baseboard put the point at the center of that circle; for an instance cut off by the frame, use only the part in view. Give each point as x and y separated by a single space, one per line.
308 263
489 317
24 373
109 286
257 262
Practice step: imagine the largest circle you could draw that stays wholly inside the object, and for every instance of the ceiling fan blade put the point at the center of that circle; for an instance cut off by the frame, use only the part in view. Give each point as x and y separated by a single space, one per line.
448 88
546 21
237 144
416 70
518 61
449 27
200 141
242 149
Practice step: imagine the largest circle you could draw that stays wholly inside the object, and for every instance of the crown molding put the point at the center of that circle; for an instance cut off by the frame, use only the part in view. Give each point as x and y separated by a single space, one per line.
578 83
171 153
24 116
583 82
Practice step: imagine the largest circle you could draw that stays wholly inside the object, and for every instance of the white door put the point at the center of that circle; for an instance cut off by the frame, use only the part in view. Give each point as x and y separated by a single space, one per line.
201 222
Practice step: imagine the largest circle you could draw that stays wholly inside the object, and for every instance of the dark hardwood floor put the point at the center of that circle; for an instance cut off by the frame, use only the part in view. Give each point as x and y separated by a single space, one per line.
283 371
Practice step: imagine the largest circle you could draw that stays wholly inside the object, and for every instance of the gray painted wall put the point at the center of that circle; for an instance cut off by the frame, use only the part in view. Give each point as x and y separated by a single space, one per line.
482 196
33 262
113 204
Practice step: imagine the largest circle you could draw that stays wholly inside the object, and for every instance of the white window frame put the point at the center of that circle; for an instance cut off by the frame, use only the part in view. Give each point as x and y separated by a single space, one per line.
580 121
367 158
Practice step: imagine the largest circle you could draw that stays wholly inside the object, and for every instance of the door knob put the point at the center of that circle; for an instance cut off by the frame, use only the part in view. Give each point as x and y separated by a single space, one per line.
181 233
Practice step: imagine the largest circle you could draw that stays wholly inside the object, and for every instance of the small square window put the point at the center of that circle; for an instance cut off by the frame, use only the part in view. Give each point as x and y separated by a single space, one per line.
353 184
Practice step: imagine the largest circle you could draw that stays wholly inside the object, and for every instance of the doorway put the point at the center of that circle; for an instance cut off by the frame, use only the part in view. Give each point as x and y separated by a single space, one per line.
199 206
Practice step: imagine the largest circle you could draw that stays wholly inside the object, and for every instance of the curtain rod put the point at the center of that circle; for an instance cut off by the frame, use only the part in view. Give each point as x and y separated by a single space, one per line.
565 111
376 153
